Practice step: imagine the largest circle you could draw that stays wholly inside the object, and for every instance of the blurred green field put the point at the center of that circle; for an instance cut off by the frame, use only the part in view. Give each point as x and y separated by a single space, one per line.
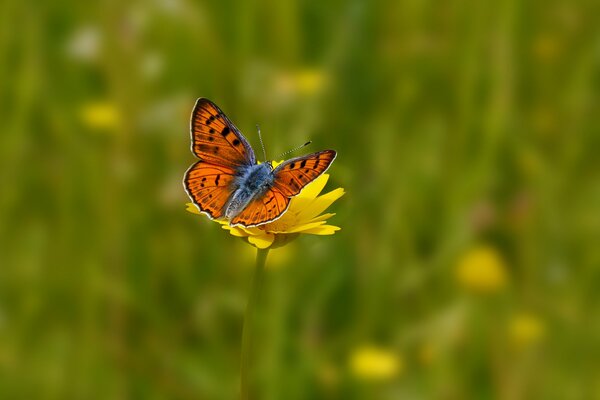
468 264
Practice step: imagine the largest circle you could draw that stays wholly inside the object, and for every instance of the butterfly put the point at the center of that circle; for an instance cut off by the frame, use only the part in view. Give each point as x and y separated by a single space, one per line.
229 184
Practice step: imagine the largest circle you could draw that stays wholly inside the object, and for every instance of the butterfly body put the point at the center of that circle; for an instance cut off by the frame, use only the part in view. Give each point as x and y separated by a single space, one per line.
251 182
227 182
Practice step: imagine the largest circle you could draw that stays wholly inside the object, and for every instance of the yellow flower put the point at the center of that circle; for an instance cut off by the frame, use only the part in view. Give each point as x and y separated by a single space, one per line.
100 115
303 216
482 270
525 330
309 81
375 363
301 82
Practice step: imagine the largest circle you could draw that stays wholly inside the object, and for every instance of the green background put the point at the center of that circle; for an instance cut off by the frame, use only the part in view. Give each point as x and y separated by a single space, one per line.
456 123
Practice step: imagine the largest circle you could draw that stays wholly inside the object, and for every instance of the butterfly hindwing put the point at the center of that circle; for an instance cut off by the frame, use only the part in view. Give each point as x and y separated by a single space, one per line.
266 208
216 139
292 175
208 185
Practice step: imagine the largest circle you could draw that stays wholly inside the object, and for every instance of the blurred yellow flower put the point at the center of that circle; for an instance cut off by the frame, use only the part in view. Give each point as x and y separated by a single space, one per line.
303 216
482 270
309 81
302 82
100 115
374 363
525 330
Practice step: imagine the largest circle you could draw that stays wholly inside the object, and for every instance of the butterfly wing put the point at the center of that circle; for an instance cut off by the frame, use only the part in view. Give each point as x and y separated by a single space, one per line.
268 207
215 139
292 175
208 185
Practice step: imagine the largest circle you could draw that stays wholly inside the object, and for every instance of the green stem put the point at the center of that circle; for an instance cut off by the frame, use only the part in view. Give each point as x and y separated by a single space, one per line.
261 258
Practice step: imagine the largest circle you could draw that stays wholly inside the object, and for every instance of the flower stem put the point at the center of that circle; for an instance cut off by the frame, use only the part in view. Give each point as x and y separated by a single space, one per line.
261 258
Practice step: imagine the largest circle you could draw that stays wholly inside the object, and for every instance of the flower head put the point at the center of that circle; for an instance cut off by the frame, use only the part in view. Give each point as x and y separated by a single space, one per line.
100 115
374 363
482 270
303 82
302 216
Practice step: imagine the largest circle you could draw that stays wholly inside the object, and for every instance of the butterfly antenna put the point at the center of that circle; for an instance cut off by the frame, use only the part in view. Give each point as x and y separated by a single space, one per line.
295 149
261 143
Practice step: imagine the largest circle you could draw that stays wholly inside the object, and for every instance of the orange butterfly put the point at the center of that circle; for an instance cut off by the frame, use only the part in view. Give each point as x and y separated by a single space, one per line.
228 183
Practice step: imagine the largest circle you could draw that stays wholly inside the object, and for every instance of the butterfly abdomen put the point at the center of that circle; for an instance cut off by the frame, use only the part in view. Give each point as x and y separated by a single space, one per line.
251 182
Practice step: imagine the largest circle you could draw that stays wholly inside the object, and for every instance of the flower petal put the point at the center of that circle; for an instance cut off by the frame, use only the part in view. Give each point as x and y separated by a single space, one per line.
235 231
305 227
320 204
323 230
262 241
191 207
297 204
308 194
251 231
322 217
313 189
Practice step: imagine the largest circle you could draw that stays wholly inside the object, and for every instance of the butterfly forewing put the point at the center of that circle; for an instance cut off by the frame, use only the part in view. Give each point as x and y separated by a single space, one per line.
292 175
209 187
216 139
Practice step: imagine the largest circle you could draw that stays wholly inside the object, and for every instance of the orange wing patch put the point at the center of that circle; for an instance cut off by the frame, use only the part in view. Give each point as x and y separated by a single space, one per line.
294 174
215 139
264 209
209 187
